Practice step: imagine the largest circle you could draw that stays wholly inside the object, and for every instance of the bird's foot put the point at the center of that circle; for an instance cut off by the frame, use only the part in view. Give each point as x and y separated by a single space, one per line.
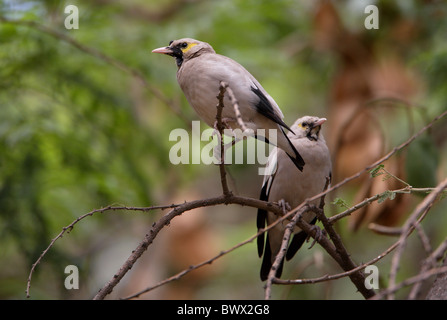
284 206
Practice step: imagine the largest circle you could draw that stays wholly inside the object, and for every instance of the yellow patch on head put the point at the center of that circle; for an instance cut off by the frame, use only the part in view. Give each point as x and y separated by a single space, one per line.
188 47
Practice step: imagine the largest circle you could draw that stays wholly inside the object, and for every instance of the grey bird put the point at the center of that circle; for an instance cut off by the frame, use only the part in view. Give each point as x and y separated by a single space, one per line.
200 71
291 187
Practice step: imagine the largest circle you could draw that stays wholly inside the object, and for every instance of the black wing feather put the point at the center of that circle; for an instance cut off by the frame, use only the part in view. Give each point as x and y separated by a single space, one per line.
265 108
298 161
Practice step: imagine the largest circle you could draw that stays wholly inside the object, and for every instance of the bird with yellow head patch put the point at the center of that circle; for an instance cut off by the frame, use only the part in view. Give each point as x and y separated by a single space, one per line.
200 72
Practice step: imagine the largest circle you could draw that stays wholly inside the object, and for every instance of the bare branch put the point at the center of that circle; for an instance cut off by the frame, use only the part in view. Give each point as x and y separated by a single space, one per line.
388 155
376 197
385 230
237 111
282 251
417 215
241 201
415 279
428 263
339 275
166 219
344 260
68 228
220 127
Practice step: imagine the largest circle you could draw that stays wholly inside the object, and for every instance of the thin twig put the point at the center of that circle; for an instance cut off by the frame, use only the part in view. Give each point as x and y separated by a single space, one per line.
166 219
237 111
418 213
424 238
220 127
339 275
68 228
385 230
282 251
344 259
429 262
388 155
407 282
376 197
241 201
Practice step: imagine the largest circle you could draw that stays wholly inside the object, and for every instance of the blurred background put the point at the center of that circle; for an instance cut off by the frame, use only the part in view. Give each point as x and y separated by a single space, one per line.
85 117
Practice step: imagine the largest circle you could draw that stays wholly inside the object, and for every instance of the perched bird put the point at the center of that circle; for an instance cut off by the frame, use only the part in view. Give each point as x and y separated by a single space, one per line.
291 187
200 71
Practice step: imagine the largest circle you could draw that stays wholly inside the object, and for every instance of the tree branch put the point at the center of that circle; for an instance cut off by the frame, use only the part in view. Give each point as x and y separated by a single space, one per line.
407 282
339 275
417 215
220 127
70 227
284 244
165 220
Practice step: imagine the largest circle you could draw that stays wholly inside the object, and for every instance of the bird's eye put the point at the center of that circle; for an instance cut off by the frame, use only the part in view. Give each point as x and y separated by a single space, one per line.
170 42
184 45
304 124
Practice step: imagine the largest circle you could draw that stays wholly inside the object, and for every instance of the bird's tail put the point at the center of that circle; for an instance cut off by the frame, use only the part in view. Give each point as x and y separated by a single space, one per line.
267 263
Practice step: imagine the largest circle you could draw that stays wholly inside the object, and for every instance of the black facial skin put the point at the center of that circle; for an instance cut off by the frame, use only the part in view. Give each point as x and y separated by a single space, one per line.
311 133
177 52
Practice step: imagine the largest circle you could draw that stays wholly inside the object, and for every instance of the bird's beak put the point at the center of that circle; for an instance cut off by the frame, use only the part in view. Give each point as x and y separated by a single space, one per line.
320 122
163 50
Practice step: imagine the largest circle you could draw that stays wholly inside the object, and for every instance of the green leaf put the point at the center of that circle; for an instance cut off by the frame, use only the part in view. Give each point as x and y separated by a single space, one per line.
386 195
377 171
340 202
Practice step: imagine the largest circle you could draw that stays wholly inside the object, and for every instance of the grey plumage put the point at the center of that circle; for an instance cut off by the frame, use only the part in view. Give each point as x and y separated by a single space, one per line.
292 186
200 71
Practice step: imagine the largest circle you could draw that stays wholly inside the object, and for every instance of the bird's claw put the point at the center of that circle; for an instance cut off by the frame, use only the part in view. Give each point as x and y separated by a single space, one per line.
284 206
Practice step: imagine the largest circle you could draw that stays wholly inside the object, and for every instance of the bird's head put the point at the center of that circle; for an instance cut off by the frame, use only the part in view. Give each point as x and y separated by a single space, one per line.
185 49
308 127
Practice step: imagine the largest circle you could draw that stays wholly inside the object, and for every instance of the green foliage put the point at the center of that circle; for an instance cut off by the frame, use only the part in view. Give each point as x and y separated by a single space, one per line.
377 171
386 195
340 202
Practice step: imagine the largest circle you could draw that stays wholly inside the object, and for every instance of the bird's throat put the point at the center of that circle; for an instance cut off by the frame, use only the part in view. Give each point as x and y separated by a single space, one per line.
179 60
